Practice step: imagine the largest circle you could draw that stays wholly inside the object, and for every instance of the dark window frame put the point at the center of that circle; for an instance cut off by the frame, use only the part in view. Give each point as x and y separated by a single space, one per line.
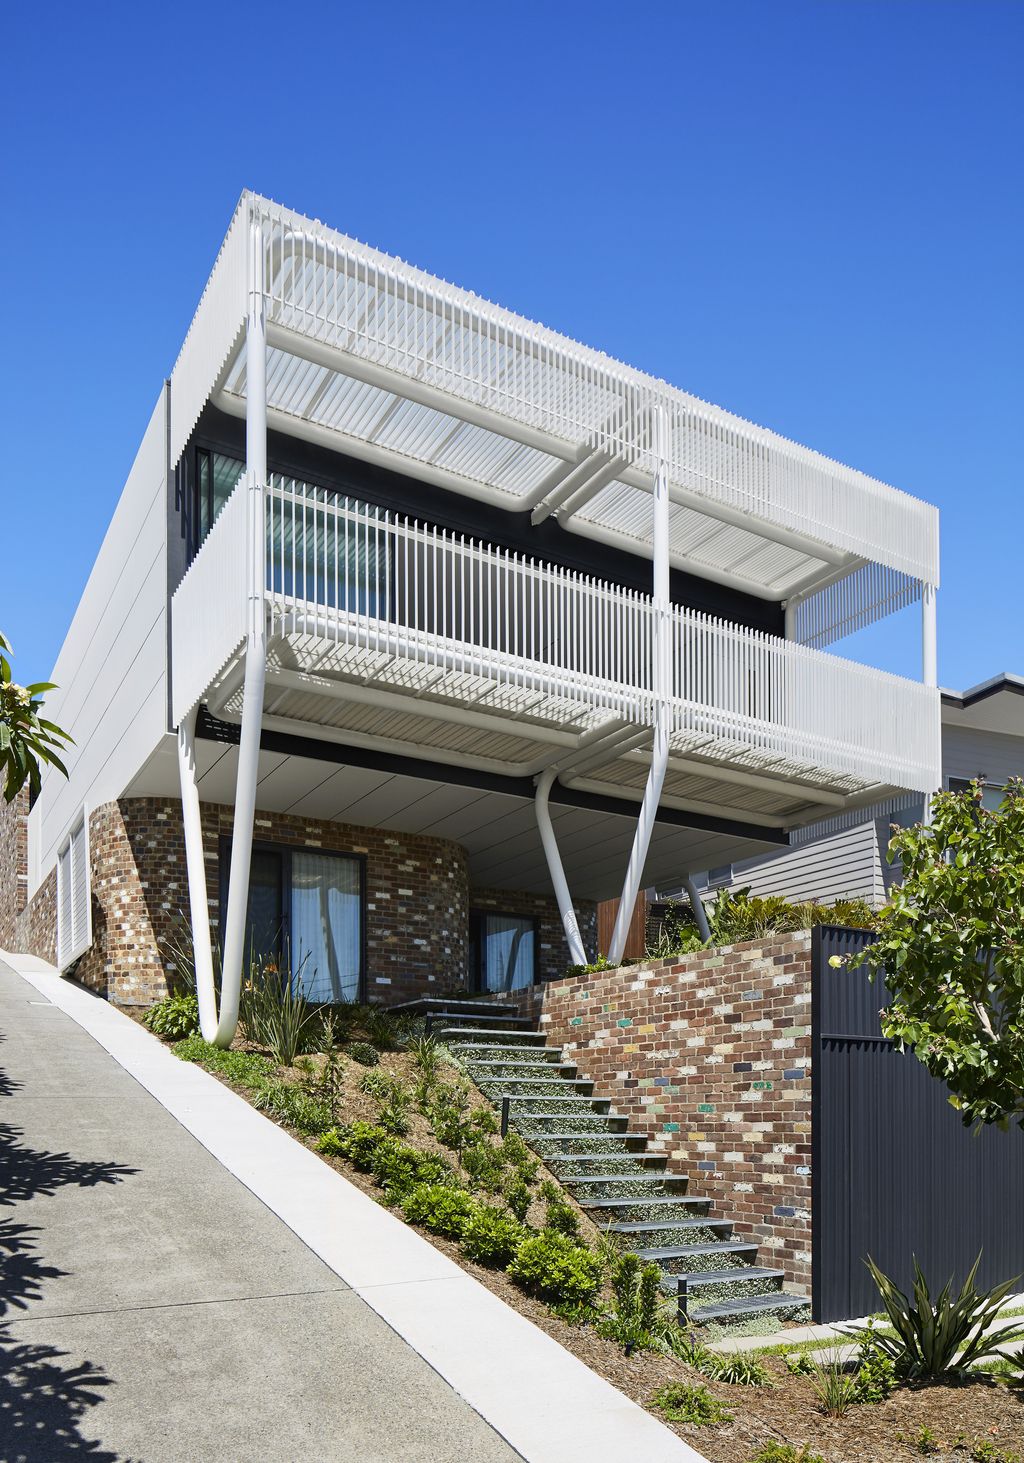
478 973
266 845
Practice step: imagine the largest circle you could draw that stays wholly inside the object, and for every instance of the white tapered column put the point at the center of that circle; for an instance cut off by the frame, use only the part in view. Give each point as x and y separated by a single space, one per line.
661 686
256 640
570 925
195 864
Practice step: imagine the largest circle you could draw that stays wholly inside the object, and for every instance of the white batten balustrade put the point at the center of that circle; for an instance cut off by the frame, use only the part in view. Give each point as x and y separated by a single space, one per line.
358 589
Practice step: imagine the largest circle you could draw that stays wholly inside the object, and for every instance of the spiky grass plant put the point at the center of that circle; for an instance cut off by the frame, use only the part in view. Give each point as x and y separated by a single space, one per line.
944 1336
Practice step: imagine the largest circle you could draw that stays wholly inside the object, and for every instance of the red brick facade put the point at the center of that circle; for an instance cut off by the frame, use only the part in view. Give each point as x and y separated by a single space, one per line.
13 866
417 900
711 1055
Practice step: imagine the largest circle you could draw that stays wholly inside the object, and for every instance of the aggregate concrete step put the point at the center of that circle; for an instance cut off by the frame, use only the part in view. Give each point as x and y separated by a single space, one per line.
564 1107
641 1184
496 1067
500 1051
673 1258
575 1165
454 1006
635 1230
580 1086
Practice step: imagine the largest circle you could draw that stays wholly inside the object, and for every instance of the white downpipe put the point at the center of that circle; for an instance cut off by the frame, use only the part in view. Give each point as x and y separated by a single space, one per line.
577 951
661 685
256 643
699 912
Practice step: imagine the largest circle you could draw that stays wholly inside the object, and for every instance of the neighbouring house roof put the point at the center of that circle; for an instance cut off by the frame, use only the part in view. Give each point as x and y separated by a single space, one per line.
995 705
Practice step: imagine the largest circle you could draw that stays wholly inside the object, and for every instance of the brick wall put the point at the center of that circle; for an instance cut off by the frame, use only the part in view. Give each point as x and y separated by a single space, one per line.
710 1054
552 950
417 900
13 865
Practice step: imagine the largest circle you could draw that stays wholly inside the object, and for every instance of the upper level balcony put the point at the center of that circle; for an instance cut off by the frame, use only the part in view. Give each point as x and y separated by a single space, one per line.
385 632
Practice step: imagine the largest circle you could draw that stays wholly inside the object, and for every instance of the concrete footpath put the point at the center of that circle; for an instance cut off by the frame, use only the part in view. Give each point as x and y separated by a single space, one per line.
181 1280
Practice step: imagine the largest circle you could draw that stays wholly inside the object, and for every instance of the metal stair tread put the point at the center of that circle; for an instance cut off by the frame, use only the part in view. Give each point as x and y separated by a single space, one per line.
658 1177
722 1247
461 1032
522 1062
697 1278
653 1226
676 1200
746 1305
563 1137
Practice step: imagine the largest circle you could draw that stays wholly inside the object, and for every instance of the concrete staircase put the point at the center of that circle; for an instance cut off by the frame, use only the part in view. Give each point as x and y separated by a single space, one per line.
608 1169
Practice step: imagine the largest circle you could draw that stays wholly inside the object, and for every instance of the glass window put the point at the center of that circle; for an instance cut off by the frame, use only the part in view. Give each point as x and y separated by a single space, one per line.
506 952
992 793
305 909
326 926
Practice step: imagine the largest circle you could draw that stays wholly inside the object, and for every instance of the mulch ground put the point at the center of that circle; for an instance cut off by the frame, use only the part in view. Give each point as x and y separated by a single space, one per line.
958 1418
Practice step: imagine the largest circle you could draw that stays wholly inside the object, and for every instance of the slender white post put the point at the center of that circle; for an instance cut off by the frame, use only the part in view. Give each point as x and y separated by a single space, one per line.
929 641
574 939
256 641
929 662
661 686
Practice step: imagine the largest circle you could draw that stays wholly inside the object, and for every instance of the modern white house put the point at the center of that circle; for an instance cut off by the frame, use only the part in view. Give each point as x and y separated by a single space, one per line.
418 628
846 857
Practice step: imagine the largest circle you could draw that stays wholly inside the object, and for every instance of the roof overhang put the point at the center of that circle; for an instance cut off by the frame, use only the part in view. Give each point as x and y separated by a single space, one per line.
995 705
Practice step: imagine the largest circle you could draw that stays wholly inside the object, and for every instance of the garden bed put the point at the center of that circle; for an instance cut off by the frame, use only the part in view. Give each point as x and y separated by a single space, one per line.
977 1421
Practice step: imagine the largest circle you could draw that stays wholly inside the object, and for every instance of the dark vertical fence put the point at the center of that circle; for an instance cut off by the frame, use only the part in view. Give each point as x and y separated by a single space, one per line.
896 1173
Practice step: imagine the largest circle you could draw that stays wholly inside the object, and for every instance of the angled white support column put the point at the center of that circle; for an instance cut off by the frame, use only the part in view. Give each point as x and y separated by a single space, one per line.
661 685
699 912
218 1026
577 951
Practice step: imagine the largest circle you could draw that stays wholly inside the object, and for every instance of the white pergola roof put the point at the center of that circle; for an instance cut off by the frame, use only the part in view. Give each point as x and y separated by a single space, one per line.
380 360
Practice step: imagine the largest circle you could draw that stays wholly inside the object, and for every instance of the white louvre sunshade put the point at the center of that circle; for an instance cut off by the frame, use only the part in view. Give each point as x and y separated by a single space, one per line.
379 359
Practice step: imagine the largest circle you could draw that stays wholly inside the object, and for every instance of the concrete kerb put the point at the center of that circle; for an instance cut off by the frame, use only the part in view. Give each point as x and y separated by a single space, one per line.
544 1402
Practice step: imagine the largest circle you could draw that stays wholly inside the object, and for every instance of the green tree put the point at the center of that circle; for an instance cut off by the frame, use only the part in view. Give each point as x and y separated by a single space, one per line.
26 739
951 947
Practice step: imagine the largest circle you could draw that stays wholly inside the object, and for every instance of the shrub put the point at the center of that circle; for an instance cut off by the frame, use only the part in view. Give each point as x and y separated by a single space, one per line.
360 1141
273 1012
447 1114
876 1372
398 1167
517 1197
785 1453
634 1319
492 1235
332 1144
562 1217
426 1053
553 1267
741 1370
441 1208
176 1017
291 1104
680 1402
363 1053
327 1085
385 1032
835 1385
800 1364
248 1069
519 1158
484 1164
483 1120
376 1083
944 1336
393 1114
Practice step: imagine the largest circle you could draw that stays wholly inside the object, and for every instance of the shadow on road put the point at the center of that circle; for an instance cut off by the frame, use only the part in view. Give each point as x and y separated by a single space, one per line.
44 1393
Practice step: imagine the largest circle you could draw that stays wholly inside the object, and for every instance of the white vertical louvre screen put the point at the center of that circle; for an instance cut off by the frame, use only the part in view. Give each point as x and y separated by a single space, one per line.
868 594
74 904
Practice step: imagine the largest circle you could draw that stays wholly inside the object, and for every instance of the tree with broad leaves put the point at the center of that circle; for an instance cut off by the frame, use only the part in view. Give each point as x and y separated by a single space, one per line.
26 739
951 948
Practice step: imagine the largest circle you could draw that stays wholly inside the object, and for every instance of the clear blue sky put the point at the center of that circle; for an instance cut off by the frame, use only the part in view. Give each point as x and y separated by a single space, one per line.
810 213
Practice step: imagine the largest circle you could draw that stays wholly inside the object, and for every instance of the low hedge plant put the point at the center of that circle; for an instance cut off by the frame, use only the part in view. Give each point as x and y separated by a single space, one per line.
557 1269
441 1208
493 1235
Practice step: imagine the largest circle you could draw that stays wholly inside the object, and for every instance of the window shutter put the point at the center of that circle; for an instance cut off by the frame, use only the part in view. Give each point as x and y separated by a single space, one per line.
74 912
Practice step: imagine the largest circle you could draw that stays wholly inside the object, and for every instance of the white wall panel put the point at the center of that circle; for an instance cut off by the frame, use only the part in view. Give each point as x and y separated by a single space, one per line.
111 672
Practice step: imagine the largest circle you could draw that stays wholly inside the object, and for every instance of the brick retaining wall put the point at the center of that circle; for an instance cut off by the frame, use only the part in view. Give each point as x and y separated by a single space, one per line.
710 1054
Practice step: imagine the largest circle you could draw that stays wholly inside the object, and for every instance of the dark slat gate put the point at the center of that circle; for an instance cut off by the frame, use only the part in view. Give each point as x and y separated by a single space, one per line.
896 1173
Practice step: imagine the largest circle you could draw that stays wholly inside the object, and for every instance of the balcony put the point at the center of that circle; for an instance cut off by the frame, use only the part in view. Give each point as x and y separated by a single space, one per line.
387 633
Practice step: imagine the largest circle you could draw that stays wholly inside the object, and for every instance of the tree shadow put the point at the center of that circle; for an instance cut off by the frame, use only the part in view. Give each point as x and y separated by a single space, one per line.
28 1172
44 1394
43 1399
